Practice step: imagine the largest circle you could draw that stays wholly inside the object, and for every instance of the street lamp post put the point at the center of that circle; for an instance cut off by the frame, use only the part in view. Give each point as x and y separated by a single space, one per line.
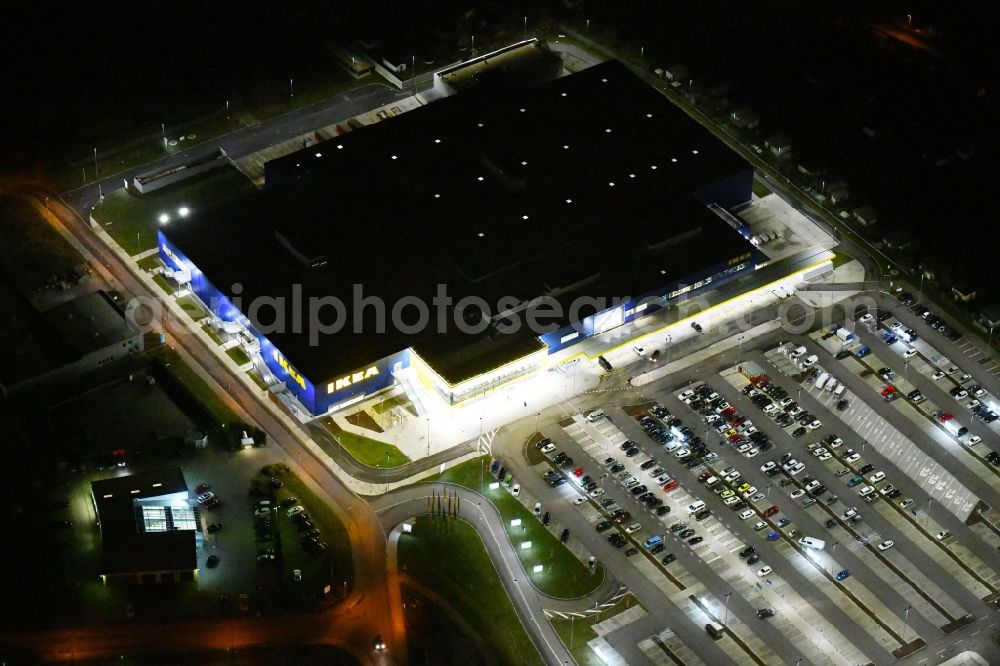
428 437
588 27
97 177
906 614
727 595
525 27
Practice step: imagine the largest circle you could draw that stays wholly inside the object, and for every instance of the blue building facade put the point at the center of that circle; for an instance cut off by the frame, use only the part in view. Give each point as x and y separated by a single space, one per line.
316 395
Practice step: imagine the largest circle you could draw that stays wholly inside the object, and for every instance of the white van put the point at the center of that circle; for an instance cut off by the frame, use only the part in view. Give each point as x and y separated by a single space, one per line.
815 544
840 389
696 507
821 380
799 351
832 384
595 415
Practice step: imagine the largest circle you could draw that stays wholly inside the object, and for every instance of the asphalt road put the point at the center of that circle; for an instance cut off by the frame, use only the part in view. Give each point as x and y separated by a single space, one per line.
405 503
250 139
367 604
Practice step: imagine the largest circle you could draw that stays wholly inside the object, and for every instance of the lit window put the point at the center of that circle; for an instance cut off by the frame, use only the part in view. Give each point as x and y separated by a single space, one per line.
524 163
565 147
562 94
340 146
479 124
319 154
694 152
569 201
522 110
393 157
604 80
611 184
183 211
437 196
653 167
673 159
481 234
524 217
631 175
608 130
480 178
437 140
649 115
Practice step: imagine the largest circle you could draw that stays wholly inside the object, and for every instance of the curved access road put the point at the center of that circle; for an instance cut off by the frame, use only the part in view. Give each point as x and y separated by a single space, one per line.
406 503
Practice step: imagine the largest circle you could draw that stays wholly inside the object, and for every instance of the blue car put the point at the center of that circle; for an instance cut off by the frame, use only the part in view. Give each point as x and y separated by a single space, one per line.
784 521
773 536
855 480
864 351
844 574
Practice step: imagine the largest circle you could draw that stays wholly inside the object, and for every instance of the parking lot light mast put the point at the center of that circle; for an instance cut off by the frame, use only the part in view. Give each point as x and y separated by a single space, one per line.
97 177
727 595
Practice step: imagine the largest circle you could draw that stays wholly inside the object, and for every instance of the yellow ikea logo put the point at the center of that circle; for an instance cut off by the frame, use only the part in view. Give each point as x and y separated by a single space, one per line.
299 379
736 260
352 379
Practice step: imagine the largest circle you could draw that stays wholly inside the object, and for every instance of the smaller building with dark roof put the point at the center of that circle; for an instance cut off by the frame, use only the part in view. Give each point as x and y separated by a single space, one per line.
149 527
79 335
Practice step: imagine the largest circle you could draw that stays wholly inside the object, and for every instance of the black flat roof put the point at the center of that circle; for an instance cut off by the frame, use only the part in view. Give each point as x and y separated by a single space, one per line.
126 549
521 195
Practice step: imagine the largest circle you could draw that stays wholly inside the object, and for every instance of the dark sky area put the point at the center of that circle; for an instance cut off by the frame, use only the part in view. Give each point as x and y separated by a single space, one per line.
82 74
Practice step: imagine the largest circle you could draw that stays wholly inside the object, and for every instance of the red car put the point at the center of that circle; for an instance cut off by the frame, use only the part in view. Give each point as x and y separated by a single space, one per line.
944 418
771 510
888 389
704 475
202 487
578 471
670 485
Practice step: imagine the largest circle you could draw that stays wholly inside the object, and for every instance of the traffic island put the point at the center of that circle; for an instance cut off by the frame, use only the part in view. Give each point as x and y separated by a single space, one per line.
552 568
445 555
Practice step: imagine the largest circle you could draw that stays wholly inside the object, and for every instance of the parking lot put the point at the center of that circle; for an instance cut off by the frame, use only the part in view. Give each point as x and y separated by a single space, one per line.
726 510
